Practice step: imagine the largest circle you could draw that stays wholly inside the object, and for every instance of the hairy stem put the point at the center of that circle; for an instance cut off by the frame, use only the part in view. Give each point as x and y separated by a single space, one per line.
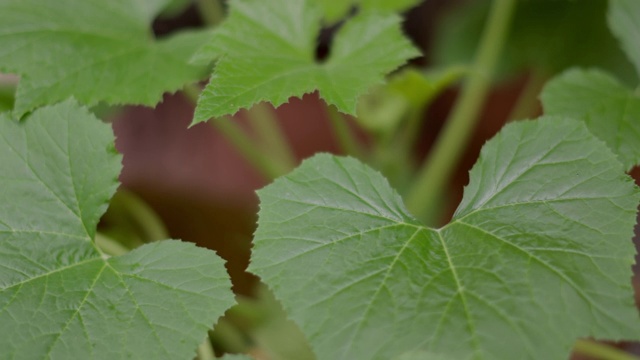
601 351
444 156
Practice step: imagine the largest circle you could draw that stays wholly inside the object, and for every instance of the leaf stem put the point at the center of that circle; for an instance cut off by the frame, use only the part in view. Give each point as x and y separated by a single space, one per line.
447 150
528 98
149 222
212 11
109 246
267 166
344 135
205 350
263 119
601 351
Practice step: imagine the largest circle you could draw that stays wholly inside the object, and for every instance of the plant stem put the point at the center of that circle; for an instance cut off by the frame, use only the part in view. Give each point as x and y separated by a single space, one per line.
269 167
528 98
205 350
446 152
345 137
212 11
109 246
150 223
601 351
265 123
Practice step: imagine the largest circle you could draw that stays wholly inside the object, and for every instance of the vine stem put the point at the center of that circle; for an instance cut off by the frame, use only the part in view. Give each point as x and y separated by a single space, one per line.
601 351
447 150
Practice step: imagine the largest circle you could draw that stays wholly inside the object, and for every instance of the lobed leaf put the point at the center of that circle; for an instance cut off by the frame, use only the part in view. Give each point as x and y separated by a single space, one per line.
60 297
538 253
609 109
266 52
624 21
93 50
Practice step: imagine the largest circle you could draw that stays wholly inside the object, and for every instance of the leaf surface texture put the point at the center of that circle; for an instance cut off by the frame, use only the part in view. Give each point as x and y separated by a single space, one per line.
266 52
538 253
60 297
93 50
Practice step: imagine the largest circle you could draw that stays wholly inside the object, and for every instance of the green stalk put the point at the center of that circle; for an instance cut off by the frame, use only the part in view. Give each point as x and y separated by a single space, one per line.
346 139
450 145
150 223
268 166
265 123
601 351
212 11
205 350
528 99
109 246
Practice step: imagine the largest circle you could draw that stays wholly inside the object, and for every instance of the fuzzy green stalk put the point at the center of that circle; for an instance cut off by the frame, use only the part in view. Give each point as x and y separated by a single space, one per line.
445 155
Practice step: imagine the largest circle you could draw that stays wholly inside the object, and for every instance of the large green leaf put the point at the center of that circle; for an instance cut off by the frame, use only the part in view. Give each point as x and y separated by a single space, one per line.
610 110
266 52
624 21
61 297
95 50
538 253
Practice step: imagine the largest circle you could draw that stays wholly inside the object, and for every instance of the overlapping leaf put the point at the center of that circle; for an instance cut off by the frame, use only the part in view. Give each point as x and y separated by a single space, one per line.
609 109
538 253
266 52
94 50
624 21
60 297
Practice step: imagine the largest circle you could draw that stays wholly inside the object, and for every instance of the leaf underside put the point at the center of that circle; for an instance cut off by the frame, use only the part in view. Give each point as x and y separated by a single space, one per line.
60 297
93 50
538 253
610 110
266 52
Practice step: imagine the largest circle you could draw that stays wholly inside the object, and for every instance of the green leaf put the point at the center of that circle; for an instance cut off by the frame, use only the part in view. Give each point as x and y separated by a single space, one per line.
335 10
538 253
92 50
237 357
624 21
60 297
546 35
266 52
609 109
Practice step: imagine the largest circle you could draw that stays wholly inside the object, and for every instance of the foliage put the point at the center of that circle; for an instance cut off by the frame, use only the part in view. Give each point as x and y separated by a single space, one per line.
537 254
